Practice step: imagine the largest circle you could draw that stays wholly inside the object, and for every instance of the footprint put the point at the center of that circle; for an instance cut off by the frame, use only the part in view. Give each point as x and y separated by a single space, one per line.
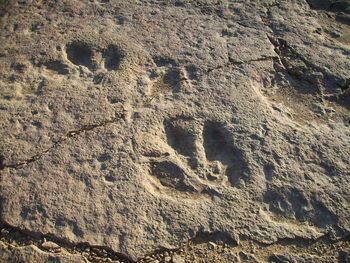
57 66
206 158
192 72
293 203
168 82
80 54
219 147
180 135
19 67
112 57
216 145
171 175
172 78
171 75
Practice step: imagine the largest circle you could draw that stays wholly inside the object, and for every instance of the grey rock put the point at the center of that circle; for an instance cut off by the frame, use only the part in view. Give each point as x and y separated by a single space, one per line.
318 108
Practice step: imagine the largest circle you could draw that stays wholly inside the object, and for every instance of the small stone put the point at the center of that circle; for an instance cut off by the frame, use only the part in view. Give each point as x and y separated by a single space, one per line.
50 246
336 34
167 259
247 257
237 239
317 107
212 245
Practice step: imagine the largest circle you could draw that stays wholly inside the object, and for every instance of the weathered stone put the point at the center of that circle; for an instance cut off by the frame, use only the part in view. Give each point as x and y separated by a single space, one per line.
50 245
317 107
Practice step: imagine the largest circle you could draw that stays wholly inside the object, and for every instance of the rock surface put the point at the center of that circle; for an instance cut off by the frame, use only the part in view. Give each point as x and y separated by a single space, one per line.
175 131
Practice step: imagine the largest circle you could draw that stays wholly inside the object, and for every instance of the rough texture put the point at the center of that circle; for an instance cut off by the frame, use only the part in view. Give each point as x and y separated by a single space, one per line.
138 127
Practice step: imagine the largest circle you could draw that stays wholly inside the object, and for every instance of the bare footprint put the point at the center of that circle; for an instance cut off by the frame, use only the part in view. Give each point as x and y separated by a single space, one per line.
223 155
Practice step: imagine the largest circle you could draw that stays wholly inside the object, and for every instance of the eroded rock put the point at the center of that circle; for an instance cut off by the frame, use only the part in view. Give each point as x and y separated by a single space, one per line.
135 127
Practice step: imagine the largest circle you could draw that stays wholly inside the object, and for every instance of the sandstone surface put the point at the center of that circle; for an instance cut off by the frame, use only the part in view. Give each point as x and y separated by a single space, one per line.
175 131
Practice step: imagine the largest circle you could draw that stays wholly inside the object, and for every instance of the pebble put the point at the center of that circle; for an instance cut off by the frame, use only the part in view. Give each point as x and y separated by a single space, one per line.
49 245
167 259
212 245
336 34
317 107
237 239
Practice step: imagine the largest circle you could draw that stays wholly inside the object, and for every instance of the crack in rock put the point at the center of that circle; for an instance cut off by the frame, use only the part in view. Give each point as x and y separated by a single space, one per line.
288 55
216 163
70 134
17 237
24 237
232 62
